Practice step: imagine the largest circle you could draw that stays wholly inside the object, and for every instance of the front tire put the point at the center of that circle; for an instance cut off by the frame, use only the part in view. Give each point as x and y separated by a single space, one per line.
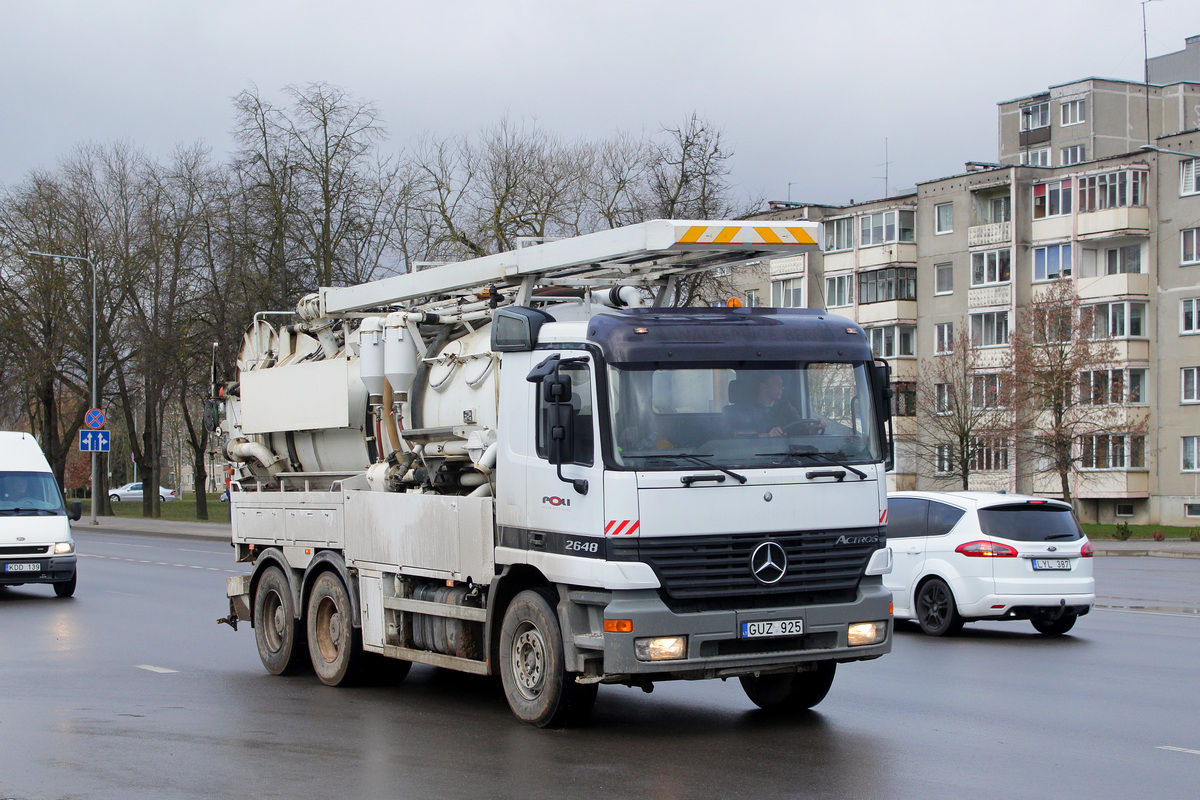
1054 627
112 498
334 644
277 632
66 588
539 689
792 691
937 613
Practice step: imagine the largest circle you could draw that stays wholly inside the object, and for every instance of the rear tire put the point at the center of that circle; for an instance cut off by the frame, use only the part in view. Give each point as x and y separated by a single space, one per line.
792 691
539 689
66 588
334 644
277 632
1055 627
937 613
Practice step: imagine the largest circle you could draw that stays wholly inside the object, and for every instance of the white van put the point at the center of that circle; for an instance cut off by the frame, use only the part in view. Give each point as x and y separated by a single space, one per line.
35 531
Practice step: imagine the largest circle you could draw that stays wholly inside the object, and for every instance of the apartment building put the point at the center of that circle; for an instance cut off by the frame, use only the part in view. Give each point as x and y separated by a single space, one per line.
969 251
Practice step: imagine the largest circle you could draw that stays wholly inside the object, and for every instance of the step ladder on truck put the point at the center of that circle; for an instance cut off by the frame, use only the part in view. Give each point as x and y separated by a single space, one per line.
530 464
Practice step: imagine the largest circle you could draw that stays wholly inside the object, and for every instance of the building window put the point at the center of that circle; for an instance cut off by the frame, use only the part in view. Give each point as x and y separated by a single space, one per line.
943 398
1070 155
904 399
1124 509
943 279
1118 320
943 338
989 454
839 234
752 298
1112 190
1113 451
987 391
1189 177
1035 116
1053 327
891 341
1189 380
1036 158
1072 112
1123 260
1189 316
1051 262
787 293
1189 246
884 227
990 267
1191 453
945 459
882 285
989 329
943 218
1051 199
839 291
1191 509
1112 387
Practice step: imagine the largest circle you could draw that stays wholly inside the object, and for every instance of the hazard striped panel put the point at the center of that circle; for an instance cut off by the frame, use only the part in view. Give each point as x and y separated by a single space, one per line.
791 234
623 527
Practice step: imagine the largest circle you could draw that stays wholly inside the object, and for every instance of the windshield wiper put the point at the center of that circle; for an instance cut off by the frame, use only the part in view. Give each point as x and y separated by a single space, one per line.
696 460
807 451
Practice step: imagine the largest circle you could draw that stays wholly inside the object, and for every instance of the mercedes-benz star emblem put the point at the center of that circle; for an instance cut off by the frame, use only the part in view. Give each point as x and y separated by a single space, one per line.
768 563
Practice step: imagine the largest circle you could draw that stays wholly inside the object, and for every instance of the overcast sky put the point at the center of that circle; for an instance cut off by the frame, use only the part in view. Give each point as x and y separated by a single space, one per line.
805 93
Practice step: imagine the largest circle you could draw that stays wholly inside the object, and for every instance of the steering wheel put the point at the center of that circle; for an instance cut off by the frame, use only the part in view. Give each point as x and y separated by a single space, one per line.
804 427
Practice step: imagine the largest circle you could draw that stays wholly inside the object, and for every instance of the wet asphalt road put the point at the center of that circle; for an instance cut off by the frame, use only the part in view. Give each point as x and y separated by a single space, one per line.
130 690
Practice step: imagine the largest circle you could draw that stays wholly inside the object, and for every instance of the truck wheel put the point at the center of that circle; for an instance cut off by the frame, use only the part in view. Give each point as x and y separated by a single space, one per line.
66 588
334 644
792 691
277 632
539 689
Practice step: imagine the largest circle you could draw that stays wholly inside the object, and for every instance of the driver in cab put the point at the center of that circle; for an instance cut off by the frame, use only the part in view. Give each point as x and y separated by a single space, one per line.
764 412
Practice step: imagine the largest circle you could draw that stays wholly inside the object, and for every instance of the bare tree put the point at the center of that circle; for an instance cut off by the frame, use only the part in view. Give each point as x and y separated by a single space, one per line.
1070 391
963 408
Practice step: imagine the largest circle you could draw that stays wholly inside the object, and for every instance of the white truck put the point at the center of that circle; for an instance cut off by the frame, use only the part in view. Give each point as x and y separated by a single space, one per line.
529 464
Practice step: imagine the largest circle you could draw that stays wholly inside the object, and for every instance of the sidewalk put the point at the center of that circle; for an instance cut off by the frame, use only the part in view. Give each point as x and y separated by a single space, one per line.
1171 548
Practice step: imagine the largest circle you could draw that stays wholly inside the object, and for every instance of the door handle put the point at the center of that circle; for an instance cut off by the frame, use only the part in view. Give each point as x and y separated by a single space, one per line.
537 541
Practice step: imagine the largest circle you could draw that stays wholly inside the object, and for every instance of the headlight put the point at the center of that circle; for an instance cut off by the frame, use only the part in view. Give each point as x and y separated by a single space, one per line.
664 648
864 633
63 548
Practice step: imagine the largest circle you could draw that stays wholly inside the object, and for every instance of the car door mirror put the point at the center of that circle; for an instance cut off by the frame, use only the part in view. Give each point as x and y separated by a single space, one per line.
76 511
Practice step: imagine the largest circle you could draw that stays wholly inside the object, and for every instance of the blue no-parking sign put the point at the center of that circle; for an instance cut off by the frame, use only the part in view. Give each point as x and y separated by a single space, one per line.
94 418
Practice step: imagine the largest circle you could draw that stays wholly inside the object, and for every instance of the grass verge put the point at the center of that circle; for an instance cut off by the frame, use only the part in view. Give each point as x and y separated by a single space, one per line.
182 510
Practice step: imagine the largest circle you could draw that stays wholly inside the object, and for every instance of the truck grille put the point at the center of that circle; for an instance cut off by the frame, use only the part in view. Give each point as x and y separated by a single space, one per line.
701 569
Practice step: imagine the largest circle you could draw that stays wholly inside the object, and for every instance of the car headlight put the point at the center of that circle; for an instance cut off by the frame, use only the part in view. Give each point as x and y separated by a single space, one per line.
664 648
864 633
62 548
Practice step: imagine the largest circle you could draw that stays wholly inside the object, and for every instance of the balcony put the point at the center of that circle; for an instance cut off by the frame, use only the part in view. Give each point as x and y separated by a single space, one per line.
993 233
1051 228
990 296
887 311
894 253
1114 222
1104 484
838 262
789 266
1114 286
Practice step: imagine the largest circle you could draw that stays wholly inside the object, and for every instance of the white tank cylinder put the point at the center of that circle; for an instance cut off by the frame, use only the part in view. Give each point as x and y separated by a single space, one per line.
461 384
371 355
400 356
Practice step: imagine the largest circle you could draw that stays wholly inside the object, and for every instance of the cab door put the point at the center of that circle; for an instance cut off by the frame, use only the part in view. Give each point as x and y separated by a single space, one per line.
563 509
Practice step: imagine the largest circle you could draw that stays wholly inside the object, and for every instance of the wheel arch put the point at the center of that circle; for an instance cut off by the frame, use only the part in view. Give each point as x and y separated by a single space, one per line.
273 557
332 561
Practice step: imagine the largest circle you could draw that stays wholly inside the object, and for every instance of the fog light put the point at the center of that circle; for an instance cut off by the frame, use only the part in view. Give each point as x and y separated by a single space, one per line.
64 547
863 633
664 648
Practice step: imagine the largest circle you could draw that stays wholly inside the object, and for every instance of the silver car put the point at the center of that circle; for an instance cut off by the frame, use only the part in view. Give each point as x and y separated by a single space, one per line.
133 491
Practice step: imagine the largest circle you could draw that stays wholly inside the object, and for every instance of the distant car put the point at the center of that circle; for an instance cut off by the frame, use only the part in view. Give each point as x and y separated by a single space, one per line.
133 491
969 556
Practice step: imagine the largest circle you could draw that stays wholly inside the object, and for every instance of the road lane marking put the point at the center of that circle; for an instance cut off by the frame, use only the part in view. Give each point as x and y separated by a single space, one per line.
152 668
1178 749
159 563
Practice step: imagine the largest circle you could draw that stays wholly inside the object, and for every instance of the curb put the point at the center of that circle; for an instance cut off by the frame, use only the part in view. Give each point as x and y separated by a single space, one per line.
1147 553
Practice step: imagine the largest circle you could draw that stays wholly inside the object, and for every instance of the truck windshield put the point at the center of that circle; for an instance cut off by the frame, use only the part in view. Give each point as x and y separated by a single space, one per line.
29 493
738 416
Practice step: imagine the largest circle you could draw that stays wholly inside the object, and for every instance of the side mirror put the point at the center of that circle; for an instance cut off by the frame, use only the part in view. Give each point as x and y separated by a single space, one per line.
561 444
76 511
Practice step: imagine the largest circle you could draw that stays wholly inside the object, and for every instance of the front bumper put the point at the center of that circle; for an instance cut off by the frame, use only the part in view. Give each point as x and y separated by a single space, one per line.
715 649
49 569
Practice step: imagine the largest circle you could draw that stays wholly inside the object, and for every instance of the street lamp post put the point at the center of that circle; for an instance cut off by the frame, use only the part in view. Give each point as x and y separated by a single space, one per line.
95 396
